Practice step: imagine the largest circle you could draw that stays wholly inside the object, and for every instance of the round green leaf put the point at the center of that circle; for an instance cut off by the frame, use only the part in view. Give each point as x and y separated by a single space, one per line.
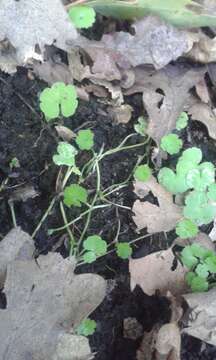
211 194
95 244
86 328
188 258
186 229
89 257
199 284
143 173
167 178
193 155
171 143
189 277
182 121
211 263
207 171
124 250
82 16
184 166
66 154
75 195
202 271
85 139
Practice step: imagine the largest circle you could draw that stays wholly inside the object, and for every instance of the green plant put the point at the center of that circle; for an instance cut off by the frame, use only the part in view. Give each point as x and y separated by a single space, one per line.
75 195
141 126
94 247
182 121
201 264
85 139
142 173
171 143
86 327
186 229
59 99
14 163
123 250
82 17
65 154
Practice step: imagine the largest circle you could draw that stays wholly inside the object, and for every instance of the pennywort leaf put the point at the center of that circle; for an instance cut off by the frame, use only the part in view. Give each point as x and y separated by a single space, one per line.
87 327
85 139
182 121
142 173
82 17
65 154
75 195
171 143
95 246
141 126
124 250
186 229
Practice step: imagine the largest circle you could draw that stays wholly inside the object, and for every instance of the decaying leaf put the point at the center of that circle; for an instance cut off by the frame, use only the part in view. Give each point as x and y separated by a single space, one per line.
154 272
52 72
121 114
17 244
24 193
202 318
65 133
168 342
205 114
153 217
203 50
40 23
202 91
44 301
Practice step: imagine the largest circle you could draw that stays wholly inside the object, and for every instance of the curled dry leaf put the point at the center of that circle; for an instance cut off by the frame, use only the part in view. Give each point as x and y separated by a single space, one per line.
154 272
153 217
202 319
205 114
40 23
65 133
168 342
48 299
121 114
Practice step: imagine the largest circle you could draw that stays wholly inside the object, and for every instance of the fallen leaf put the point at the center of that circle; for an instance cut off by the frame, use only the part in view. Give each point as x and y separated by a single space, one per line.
203 50
132 328
44 301
8 61
146 349
65 133
202 319
121 114
153 217
52 72
39 23
168 342
17 244
154 272
202 91
24 193
206 115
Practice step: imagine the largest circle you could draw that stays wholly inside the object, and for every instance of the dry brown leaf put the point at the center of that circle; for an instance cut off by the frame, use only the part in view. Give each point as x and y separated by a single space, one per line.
52 72
40 23
203 50
156 218
44 300
17 244
205 114
24 193
121 114
168 342
65 133
154 272
202 91
202 318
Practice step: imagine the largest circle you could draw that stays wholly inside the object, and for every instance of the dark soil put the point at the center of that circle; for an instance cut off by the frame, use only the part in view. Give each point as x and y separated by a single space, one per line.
24 135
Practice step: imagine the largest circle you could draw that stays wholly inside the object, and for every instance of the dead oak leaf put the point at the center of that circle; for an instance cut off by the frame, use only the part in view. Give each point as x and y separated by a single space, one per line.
44 300
28 23
206 115
153 217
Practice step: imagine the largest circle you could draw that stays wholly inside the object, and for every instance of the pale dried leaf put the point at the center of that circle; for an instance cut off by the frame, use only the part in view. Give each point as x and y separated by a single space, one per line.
39 23
146 349
202 91
52 72
72 347
24 193
49 299
153 217
202 319
205 114
121 114
17 244
65 133
154 272
168 342
203 50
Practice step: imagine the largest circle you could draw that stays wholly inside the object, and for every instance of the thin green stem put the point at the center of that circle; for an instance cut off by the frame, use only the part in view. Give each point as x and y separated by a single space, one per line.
46 214
72 240
13 215
67 176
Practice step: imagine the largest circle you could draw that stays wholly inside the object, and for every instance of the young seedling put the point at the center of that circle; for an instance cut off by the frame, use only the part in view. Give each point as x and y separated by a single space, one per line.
171 143
123 250
142 173
85 139
58 100
75 195
201 264
65 154
94 247
86 328
82 17
182 121
141 126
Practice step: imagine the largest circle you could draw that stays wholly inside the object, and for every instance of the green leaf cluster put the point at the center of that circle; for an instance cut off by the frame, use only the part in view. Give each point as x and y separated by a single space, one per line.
60 99
94 246
75 195
201 263
171 143
186 229
86 327
82 17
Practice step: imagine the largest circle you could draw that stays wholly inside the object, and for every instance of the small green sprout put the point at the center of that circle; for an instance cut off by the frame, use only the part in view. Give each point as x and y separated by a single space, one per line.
141 126
202 265
82 17
66 154
182 121
95 246
59 99
86 327
85 139
186 229
142 173
14 163
75 195
123 250
171 143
